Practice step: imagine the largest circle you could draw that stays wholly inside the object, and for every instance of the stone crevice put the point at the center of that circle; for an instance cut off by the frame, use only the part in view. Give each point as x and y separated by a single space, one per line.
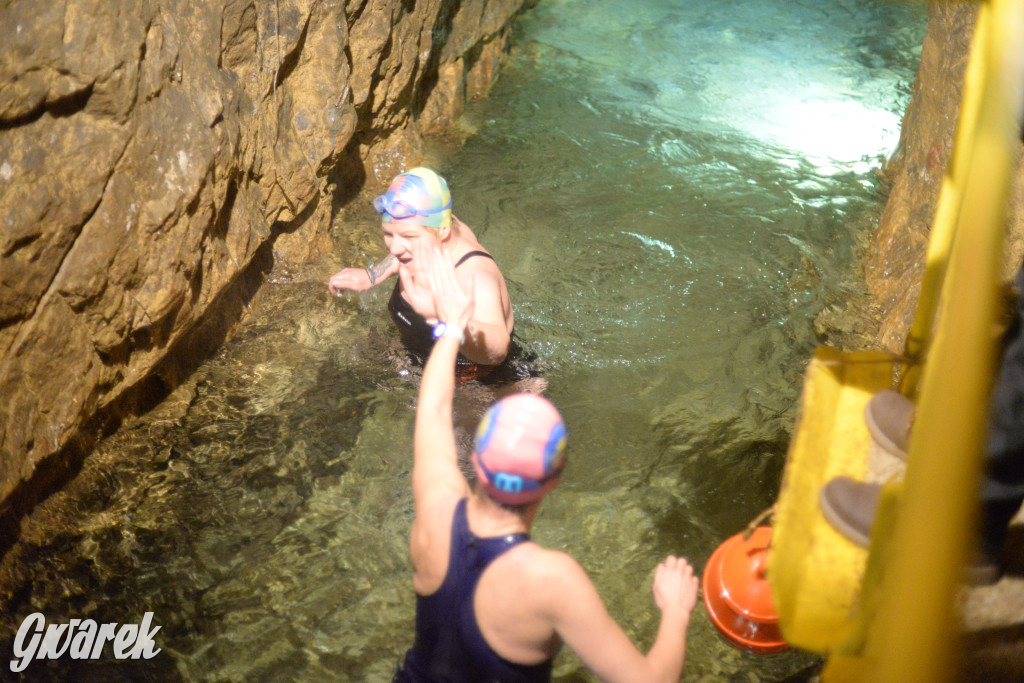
287 63
51 286
63 106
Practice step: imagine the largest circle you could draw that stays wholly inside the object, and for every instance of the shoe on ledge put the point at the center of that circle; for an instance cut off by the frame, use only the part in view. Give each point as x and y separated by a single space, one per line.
983 570
849 507
889 416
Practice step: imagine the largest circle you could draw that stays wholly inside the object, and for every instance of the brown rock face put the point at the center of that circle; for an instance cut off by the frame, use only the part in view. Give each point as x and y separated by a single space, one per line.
895 264
150 153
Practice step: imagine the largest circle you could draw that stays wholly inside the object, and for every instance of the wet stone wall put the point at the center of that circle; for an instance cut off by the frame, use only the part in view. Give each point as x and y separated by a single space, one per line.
895 262
157 157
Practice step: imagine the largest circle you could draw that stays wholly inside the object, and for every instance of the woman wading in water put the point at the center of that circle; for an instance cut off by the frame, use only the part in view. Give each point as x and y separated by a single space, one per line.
416 209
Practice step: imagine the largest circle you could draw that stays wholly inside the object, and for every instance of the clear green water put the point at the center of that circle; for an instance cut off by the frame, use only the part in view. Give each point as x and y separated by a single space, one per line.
673 191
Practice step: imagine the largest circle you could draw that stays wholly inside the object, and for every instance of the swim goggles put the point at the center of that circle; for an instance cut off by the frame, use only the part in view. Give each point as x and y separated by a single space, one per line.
396 208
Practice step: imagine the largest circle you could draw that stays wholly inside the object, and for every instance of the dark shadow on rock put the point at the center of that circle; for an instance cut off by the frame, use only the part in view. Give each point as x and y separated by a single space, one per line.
431 69
55 471
60 107
348 177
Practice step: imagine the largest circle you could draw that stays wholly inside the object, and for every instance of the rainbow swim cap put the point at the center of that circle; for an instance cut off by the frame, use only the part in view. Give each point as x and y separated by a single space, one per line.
419 196
519 450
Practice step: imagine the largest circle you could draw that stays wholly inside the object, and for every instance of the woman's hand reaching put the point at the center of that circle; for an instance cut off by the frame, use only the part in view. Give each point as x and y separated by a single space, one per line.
675 586
355 279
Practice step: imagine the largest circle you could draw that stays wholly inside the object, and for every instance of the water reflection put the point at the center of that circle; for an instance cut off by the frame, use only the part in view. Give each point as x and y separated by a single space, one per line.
658 184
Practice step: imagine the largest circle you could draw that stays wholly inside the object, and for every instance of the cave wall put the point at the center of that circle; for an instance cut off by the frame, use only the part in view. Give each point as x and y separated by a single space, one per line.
154 154
895 262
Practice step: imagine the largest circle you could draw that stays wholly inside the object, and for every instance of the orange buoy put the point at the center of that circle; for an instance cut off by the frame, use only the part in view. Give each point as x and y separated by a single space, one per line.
737 595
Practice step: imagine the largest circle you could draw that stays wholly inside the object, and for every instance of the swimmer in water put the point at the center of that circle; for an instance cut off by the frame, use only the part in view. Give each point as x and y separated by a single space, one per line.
416 209
491 604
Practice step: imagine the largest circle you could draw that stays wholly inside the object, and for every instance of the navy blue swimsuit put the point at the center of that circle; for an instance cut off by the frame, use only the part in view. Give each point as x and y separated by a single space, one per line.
449 645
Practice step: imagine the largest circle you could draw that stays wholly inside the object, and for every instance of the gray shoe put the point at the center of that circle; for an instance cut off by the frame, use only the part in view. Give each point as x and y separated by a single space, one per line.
889 416
849 506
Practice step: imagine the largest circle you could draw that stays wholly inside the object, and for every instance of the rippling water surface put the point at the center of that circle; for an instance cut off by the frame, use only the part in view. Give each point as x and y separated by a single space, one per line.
673 190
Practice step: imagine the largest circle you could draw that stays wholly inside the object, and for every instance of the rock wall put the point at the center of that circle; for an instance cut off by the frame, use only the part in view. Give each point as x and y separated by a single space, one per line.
156 156
895 262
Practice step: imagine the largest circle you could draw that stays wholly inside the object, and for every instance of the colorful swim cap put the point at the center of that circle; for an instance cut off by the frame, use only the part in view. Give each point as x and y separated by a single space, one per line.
518 455
419 196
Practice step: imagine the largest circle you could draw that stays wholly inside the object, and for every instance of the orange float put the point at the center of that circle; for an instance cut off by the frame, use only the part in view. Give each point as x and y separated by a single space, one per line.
738 597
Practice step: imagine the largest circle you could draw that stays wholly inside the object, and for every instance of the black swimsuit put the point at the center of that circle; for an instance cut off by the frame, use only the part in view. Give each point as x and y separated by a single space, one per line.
418 335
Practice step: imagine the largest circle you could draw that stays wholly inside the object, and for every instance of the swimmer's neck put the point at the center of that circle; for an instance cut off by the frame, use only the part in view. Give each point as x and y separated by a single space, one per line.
490 518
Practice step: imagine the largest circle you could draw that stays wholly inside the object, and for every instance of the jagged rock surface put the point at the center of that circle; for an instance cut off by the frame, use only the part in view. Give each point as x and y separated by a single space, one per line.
151 151
895 262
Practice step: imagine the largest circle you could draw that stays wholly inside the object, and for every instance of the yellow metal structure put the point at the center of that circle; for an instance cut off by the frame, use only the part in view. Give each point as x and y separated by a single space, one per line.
887 614
814 573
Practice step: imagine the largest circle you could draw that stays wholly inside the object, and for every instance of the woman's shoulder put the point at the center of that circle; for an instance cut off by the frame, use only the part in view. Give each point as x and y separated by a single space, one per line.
547 563
467 237
470 255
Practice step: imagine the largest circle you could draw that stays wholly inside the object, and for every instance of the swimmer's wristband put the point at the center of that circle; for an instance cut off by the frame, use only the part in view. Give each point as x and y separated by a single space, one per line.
446 330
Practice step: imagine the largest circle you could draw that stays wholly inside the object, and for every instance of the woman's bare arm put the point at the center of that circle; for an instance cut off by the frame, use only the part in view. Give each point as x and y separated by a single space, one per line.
361 279
437 482
583 623
487 337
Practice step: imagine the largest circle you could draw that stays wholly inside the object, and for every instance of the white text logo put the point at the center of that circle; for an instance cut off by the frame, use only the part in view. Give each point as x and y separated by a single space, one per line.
81 639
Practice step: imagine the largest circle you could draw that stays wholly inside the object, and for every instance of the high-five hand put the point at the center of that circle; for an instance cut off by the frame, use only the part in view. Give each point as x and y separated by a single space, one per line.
452 304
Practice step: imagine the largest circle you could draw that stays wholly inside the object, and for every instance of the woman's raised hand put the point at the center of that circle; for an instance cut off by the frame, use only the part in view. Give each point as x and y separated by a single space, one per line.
452 304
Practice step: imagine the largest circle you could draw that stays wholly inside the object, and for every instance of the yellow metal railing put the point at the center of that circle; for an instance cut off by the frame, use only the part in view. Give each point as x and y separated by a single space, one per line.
913 634
887 614
948 210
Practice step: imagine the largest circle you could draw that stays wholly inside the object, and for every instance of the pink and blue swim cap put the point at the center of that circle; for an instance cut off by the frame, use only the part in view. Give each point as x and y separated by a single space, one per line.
520 449
419 196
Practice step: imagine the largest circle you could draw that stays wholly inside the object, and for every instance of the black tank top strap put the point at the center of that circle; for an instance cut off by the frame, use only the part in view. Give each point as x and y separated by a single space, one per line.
470 254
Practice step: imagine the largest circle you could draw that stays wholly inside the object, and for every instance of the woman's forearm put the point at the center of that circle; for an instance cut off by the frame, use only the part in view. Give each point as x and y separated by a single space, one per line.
379 272
667 656
438 384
